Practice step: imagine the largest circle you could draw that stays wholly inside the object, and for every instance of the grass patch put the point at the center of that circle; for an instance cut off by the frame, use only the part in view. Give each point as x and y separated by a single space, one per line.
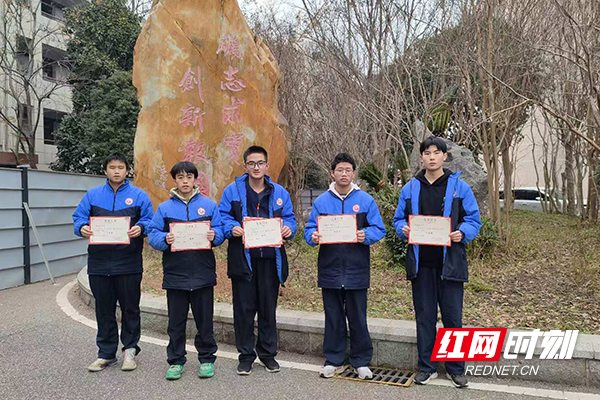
547 276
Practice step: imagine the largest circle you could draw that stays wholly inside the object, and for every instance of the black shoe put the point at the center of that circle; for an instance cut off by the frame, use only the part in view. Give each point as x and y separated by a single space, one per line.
270 365
460 381
244 367
423 377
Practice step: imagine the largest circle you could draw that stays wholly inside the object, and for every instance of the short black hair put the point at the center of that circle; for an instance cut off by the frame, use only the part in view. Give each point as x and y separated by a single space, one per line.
433 141
115 157
343 157
255 149
185 167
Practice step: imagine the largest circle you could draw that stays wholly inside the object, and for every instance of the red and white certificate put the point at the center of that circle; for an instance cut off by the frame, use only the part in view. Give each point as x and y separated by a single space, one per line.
335 229
262 232
190 235
429 230
109 230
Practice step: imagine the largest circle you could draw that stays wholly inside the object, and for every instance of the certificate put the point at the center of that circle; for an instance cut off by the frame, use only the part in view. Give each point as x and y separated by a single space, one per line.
337 229
262 232
109 230
190 235
429 230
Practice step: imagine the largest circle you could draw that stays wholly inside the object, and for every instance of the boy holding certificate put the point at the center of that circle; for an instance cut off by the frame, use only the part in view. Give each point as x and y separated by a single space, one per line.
183 228
437 272
115 266
344 265
257 272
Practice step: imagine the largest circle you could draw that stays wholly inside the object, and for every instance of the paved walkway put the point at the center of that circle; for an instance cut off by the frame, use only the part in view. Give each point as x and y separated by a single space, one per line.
47 341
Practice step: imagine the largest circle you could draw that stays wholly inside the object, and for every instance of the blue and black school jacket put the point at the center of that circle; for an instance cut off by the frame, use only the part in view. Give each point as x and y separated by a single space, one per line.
346 265
461 206
103 201
233 208
191 269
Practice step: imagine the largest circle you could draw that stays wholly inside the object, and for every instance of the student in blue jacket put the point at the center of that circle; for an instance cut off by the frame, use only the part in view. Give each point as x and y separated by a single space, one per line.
256 273
345 269
189 276
437 273
115 271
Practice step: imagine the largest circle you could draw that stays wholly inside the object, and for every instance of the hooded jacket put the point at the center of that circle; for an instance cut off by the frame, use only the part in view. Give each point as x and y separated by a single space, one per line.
103 201
461 206
346 265
233 208
190 269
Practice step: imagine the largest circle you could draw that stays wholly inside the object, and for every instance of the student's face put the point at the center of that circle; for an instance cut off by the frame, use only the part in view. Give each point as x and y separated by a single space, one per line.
116 171
256 165
343 174
185 182
433 158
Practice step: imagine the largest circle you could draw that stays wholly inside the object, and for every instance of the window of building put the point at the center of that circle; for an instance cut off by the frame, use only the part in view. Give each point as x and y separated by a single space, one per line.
24 117
53 64
53 10
52 120
22 55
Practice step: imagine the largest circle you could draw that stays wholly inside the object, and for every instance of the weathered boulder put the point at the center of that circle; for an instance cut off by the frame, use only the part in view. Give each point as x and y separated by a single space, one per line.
208 90
459 159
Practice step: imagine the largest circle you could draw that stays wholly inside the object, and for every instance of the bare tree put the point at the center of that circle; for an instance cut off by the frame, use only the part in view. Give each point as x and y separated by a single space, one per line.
25 87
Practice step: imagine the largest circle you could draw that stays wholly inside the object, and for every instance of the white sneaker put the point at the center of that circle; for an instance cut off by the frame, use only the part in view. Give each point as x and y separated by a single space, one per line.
129 363
364 373
100 364
329 371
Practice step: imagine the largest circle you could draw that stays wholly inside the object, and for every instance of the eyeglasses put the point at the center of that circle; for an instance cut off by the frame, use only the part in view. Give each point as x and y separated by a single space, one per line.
259 164
347 171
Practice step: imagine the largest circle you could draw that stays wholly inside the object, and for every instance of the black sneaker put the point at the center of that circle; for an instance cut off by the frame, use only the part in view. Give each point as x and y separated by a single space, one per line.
270 365
244 367
460 381
423 377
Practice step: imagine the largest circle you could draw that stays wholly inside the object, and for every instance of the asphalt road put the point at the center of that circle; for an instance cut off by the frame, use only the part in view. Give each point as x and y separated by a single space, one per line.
44 354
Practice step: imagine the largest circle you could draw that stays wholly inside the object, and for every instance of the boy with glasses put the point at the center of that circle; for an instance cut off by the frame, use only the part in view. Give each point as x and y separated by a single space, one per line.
345 269
255 273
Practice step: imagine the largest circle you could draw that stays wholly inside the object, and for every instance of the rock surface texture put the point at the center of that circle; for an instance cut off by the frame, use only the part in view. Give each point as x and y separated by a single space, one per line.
208 90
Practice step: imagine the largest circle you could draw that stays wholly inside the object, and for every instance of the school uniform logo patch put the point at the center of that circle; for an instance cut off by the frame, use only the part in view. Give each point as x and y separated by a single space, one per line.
279 201
356 208
201 211
129 201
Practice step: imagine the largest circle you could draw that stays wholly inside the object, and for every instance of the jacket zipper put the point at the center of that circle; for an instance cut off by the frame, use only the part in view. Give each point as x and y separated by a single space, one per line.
344 261
114 199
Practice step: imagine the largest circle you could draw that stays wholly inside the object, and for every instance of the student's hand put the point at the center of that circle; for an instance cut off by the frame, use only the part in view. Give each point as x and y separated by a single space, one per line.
86 232
456 236
405 230
237 231
286 232
315 237
134 231
360 236
170 239
210 235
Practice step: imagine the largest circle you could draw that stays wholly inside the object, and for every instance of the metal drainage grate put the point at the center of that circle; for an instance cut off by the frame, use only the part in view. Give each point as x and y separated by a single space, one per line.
386 376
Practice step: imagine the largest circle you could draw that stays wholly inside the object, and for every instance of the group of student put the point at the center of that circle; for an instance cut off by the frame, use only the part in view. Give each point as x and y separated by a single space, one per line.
115 271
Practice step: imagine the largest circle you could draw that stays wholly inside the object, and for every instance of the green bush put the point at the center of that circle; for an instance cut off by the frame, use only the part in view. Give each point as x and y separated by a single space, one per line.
485 242
387 201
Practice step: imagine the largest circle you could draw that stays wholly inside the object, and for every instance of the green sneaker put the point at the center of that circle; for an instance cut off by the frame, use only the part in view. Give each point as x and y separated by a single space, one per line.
206 370
174 372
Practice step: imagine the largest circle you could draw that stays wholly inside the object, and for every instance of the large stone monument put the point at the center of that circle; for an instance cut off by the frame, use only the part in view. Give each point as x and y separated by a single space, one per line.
208 90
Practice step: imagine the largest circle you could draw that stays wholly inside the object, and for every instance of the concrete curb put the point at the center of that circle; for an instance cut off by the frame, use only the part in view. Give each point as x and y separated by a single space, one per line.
394 341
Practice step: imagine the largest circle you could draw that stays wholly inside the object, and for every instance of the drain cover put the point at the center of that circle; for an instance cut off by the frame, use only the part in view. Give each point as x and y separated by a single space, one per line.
387 376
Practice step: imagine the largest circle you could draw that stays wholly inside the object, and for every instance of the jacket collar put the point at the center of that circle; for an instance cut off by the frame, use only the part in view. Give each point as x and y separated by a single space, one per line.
175 194
124 185
335 193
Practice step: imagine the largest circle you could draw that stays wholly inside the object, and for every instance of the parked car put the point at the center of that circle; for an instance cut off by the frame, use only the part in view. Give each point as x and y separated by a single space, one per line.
529 198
